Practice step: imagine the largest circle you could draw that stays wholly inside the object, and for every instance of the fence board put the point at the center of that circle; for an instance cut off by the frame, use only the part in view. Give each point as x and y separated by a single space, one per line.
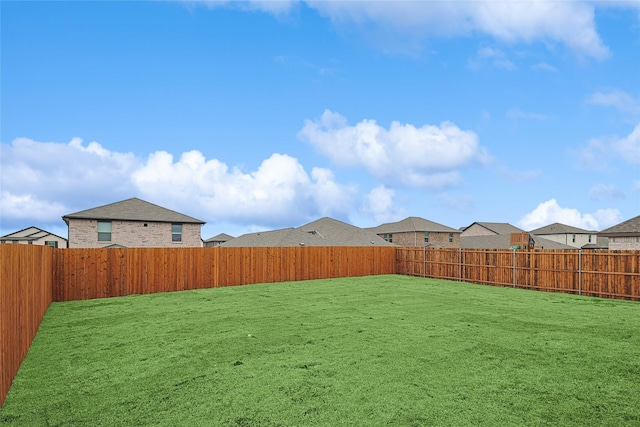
26 277
609 274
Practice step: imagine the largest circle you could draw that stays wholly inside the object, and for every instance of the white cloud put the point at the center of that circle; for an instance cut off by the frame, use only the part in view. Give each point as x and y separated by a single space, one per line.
428 156
600 151
570 23
380 205
401 25
605 192
43 181
21 205
274 7
550 212
617 99
57 177
278 192
629 147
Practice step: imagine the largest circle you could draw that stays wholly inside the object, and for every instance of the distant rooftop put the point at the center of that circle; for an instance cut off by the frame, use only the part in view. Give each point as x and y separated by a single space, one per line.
133 209
412 224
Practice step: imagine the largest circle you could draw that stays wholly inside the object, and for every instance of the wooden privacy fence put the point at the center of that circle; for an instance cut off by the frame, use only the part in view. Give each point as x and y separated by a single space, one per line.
610 274
100 273
25 295
34 276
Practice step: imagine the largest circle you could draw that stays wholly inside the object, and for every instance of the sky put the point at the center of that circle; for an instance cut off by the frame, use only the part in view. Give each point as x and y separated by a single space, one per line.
262 115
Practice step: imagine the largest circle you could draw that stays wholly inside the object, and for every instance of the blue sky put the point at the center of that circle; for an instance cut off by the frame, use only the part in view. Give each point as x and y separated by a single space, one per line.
263 115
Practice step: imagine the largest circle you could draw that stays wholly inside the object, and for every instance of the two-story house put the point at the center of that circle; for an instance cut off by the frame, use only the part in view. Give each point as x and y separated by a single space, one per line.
132 223
625 235
416 231
35 236
566 234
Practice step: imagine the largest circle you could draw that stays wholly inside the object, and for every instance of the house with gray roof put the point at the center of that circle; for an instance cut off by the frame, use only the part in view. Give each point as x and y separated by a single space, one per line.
132 223
416 231
34 236
625 235
503 241
567 235
322 232
489 229
217 240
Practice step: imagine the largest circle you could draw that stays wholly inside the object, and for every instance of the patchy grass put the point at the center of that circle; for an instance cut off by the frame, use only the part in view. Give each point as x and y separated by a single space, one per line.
384 350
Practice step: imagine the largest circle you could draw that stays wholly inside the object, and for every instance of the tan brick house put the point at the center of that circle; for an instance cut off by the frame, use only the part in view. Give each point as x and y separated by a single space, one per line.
625 235
132 223
416 231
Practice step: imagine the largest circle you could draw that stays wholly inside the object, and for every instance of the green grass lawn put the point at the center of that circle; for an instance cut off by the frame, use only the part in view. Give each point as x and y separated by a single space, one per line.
384 350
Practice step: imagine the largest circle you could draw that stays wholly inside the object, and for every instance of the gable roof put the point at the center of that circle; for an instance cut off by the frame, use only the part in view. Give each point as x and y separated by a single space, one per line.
498 227
411 224
557 228
133 209
630 227
322 232
29 233
283 237
503 241
344 234
222 237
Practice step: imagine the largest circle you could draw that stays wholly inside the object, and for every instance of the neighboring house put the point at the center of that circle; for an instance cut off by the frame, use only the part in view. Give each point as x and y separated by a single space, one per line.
625 235
322 232
273 238
217 240
415 231
489 229
504 241
132 223
566 234
342 233
35 236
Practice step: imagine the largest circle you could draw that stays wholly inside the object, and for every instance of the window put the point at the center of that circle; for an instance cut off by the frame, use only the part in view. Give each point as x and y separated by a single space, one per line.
52 243
104 231
388 237
589 238
426 237
573 238
450 237
176 232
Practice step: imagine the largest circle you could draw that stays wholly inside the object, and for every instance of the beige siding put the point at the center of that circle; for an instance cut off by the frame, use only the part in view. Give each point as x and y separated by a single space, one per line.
83 233
567 239
624 243
417 239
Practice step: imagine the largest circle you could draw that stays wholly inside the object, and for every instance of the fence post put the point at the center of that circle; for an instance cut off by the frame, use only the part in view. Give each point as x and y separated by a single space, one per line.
579 271
460 264
424 261
513 258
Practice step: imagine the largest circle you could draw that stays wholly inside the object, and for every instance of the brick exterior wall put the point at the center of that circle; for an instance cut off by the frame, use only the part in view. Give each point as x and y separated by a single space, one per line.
83 233
417 239
624 243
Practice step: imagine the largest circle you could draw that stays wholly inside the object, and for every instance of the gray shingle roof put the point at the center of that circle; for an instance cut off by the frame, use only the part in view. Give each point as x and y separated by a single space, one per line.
283 237
29 233
499 227
412 224
557 228
222 237
503 241
322 232
343 233
132 209
630 227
